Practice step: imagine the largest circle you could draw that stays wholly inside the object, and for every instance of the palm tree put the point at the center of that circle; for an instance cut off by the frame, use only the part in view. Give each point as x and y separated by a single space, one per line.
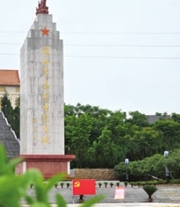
150 189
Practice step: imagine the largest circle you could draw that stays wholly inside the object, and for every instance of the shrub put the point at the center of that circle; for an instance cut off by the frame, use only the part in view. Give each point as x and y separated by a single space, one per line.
143 183
174 181
100 184
126 183
111 184
162 182
150 189
68 184
105 184
131 183
62 184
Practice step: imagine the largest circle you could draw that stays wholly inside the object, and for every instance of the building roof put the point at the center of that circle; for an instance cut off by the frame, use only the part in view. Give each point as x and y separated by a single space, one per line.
9 78
153 118
8 139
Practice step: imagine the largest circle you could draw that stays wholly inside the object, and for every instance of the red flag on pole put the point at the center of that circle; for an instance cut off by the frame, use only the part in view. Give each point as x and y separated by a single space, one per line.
83 187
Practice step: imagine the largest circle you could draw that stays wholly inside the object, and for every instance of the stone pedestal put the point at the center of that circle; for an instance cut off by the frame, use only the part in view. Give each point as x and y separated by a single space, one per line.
49 165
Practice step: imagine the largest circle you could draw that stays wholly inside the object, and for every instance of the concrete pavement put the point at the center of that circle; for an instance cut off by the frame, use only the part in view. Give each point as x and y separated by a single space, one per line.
167 195
164 194
131 205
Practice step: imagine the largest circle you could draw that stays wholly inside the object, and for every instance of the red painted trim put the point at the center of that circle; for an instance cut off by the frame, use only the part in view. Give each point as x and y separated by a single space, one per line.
62 158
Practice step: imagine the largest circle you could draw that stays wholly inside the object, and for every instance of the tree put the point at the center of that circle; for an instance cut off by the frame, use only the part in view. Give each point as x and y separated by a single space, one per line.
6 107
115 124
103 138
106 153
176 117
16 121
77 137
17 103
170 131
12 115
145 142
138 119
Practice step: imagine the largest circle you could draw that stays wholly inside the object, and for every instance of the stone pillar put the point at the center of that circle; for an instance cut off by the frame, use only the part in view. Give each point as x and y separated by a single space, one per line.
42 94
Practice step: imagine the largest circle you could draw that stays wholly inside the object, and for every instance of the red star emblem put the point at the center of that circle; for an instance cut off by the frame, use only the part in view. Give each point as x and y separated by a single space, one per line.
45 31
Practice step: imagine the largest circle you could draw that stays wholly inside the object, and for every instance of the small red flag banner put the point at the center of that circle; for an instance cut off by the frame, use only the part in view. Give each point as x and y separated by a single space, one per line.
119 193
83 187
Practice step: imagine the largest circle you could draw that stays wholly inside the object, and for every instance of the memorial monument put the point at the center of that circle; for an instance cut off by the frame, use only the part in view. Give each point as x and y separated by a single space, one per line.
42 98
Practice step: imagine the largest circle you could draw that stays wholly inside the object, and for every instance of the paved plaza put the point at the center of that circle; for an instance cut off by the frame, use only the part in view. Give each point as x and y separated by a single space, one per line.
131 205
166 195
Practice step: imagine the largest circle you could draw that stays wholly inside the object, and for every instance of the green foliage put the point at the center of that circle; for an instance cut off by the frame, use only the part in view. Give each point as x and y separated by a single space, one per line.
12 115
151 182
14 187
6 105
174 181
100 184
17 103
149 189
16 121
138 119
78 132
154 165
105 150
103 138
126 183
68 184
139 170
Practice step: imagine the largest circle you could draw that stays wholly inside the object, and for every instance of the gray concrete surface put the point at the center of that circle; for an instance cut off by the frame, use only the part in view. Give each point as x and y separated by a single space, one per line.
165 194
131 205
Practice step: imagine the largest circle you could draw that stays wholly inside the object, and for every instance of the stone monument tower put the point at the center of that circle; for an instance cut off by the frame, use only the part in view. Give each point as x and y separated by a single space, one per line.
42 97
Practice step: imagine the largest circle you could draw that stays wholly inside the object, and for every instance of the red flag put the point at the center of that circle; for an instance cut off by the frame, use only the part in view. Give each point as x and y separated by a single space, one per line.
84 187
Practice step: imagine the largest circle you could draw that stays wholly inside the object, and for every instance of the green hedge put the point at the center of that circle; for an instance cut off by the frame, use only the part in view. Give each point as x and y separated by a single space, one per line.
154 182
154 165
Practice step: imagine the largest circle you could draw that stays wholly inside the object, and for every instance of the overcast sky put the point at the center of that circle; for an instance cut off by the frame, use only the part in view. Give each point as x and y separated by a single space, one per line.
118 54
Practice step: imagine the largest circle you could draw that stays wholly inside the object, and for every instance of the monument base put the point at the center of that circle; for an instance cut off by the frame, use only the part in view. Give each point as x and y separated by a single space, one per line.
49 165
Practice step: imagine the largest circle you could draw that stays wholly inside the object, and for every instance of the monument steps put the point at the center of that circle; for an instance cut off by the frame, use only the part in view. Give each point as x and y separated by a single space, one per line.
8 138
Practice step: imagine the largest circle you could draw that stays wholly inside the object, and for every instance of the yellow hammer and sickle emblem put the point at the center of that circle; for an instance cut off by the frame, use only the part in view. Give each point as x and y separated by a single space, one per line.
77 184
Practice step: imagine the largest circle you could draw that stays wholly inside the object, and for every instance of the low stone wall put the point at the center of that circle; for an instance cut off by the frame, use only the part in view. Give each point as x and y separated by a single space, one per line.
98 174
